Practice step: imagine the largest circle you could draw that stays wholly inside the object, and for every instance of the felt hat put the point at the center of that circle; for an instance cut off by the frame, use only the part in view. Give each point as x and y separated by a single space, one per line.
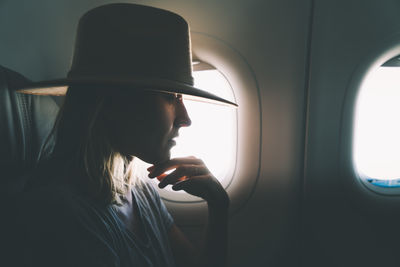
133 46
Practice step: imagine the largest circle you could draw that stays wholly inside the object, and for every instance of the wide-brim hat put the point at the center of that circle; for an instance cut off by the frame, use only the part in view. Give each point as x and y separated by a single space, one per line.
132 46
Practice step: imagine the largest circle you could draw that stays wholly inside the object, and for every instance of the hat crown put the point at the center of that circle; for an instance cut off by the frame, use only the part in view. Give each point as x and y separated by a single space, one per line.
128 40
131 46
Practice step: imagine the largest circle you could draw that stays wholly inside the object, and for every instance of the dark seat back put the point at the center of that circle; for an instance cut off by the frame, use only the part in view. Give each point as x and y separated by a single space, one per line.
25 121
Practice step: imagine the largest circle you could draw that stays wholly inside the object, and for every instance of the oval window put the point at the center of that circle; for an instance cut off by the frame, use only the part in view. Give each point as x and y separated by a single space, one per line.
212 135
376 147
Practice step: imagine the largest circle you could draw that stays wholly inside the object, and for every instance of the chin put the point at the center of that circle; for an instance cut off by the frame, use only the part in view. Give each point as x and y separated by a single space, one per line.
156 158
163 158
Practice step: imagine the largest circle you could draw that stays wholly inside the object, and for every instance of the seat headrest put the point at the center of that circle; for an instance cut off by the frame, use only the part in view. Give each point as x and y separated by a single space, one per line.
25 122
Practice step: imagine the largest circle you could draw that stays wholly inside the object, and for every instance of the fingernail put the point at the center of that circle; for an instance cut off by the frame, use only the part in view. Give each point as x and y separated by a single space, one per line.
161 177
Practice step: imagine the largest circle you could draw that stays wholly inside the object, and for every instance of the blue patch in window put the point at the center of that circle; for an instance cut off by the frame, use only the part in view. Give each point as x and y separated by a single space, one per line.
385 183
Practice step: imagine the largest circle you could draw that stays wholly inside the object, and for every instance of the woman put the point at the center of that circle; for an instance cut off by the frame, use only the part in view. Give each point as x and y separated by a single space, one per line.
86 205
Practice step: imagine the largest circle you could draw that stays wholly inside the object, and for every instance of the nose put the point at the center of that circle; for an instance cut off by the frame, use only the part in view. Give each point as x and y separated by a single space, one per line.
182 117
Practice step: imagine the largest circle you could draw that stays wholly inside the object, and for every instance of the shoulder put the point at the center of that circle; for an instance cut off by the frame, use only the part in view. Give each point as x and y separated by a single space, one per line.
58 223
150 200
147 195
44 211
146 188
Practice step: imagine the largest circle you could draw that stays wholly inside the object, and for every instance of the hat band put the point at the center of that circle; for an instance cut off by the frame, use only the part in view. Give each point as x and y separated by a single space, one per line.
123 78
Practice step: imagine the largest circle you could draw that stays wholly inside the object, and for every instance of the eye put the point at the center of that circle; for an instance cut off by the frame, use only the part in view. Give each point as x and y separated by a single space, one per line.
172 97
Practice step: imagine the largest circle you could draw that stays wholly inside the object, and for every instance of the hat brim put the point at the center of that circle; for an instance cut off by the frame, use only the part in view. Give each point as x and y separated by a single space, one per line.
59 87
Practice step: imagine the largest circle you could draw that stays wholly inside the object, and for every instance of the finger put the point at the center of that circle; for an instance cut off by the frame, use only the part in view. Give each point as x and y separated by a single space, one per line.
206 187
175 162
182 172
173 177
178 186
163 184
161 177
158 172
195 185
151 168
171 164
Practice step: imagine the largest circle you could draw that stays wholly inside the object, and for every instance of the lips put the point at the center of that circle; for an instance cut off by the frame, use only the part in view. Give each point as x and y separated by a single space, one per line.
171 142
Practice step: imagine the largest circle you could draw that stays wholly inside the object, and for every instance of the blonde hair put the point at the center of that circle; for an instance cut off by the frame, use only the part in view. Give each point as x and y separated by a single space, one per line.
81 142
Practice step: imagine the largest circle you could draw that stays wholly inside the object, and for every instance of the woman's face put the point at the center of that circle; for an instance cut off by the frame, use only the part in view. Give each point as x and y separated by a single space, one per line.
144 124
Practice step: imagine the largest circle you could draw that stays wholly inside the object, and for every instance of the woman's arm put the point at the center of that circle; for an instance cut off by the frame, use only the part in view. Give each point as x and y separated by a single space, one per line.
213 251
193 176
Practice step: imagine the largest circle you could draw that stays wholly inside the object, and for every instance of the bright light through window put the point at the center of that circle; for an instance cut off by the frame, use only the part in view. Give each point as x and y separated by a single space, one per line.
377 128
212 135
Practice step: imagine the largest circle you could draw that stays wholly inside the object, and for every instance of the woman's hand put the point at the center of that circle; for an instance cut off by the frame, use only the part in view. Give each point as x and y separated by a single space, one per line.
192 176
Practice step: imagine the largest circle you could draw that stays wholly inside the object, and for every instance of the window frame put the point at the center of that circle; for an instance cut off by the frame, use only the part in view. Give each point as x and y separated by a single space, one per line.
357 184
236 68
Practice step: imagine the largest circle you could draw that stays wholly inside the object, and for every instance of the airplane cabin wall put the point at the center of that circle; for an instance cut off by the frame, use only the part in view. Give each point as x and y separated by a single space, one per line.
344 224
37 40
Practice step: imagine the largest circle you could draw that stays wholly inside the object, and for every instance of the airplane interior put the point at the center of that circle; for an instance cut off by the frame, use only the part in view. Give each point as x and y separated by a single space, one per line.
309 157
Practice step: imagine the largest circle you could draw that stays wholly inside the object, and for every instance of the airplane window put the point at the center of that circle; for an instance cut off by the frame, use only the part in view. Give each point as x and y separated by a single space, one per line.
212 134
376 150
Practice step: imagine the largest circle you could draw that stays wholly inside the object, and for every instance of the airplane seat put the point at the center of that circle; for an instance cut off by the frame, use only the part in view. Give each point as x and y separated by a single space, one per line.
25 121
